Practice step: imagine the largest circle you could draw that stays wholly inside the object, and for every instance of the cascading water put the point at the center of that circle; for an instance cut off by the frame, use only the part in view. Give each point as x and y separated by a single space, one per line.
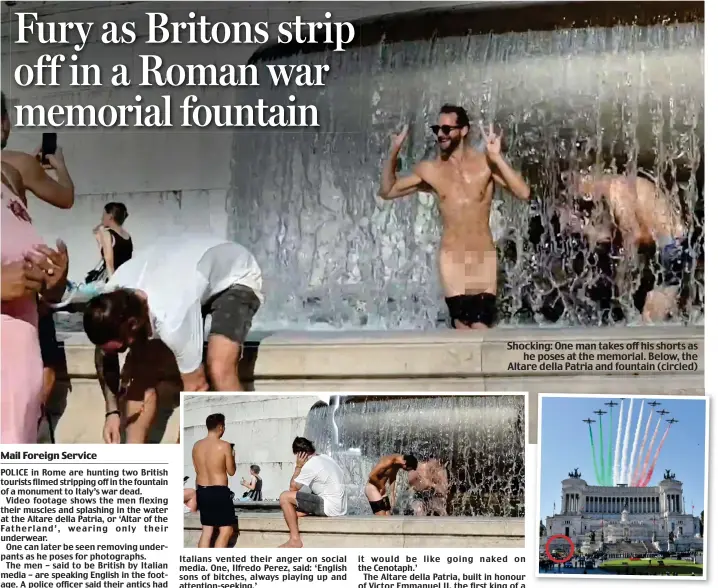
477 440
335 256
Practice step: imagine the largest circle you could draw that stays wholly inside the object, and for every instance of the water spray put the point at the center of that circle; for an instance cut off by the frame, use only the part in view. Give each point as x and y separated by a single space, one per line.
335 428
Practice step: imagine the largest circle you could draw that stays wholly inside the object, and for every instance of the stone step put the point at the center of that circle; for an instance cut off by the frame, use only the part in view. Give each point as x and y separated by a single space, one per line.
270 530
435 354
436 361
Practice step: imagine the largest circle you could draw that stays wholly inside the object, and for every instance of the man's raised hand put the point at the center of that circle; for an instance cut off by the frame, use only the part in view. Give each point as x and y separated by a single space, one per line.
398 140
491 140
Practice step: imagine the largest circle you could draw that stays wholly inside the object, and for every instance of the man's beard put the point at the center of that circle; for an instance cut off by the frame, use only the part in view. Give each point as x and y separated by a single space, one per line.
450 146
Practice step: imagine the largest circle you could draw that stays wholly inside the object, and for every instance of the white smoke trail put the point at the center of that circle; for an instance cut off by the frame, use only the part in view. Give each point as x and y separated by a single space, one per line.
635 445
617 448
644 471
637 473
626 435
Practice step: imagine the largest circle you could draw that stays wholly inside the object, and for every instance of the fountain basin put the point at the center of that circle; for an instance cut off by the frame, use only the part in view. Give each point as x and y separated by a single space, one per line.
435 361
270 530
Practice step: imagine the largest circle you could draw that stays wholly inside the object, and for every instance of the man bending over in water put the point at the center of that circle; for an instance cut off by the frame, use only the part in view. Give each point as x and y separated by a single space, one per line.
464 180
642 213
213 461
383 475
430 483
154 306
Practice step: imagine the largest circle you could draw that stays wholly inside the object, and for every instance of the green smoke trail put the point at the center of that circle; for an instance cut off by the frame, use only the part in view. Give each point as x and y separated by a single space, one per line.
593 452
610 448
600 443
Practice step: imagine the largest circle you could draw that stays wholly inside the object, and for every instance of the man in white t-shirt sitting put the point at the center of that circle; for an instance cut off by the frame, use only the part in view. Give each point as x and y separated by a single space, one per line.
155 306
324 480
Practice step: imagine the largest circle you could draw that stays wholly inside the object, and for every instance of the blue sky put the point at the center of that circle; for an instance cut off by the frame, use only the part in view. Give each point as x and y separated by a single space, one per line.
565 443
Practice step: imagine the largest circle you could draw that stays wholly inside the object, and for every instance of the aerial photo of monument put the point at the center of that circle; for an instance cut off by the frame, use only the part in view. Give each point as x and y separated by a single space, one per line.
622 485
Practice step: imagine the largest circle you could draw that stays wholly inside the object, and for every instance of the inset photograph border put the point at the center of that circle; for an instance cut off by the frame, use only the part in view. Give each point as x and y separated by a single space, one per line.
623 486
354 470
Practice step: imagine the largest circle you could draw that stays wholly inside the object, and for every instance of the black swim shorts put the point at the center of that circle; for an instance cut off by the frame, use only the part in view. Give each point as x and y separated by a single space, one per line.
311 504
672 258
667 267
473 308
382 505
232 312
425 495
215 506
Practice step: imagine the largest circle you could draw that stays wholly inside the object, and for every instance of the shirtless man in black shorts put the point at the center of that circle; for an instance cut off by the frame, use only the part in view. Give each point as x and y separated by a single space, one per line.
464 180
642 212
213 461
383 475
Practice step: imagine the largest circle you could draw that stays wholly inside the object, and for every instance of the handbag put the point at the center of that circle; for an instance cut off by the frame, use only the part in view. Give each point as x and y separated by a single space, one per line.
98 273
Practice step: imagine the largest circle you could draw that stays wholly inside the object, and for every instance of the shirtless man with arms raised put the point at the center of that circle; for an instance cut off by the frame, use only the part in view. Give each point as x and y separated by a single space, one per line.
642 213
383 475
213 461
464 180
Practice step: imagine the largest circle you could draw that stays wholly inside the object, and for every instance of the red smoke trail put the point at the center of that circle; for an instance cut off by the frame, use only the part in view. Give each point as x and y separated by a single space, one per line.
649 475
637 472
642 476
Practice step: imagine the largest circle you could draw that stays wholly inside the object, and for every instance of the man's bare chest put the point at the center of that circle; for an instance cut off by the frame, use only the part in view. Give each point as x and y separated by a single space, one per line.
462 184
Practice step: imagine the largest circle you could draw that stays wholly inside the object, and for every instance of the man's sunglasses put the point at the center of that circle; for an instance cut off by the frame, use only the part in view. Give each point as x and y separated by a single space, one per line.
446 129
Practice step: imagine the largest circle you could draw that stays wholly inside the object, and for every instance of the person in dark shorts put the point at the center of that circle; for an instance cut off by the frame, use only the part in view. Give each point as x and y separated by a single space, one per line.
214 462
316 489
652 231
165 292
664 268
49 347
469 309
384 475
464 180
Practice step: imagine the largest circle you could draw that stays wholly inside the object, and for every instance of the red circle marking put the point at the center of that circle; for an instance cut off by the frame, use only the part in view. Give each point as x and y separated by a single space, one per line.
571 551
